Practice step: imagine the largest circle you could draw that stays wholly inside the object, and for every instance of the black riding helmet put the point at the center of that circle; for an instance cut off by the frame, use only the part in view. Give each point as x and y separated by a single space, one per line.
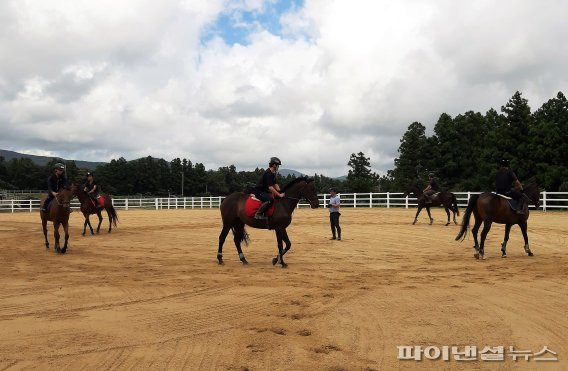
505 162
274 160
431 175
59 166
90 174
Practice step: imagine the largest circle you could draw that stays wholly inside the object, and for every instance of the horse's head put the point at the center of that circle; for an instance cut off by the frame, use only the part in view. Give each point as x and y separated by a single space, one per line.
413 190
65 196
309 192
302 188
533 193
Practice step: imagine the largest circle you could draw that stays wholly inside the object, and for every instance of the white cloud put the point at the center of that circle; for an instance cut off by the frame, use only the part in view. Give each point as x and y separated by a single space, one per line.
100 79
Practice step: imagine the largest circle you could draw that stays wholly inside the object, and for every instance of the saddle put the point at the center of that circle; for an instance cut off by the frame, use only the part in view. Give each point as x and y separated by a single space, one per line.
100 201
513 204
253 204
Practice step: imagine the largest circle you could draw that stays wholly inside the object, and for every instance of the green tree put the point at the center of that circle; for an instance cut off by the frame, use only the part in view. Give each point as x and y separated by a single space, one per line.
360 178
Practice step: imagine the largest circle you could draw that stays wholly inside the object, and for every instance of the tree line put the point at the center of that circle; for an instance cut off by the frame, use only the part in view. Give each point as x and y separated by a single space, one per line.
463 152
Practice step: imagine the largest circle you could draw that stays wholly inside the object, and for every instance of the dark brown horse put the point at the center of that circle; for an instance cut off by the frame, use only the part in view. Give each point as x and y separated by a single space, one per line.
490 208
87 208
58 213
447 200
234 217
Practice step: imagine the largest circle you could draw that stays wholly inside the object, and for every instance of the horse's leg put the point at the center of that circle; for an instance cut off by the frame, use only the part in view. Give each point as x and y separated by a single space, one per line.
44 226
474 231
454 212
239 233
523 225
85 224
448 213
504 244
56 235
101 221
420 206
288 246
486 228
280 249
429 215
222 237
66 229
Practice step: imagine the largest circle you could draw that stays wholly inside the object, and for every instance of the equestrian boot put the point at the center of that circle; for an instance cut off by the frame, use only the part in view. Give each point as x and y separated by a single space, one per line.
260 212
520 208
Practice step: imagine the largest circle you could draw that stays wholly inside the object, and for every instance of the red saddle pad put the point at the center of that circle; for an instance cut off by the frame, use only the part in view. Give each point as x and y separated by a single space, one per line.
252 205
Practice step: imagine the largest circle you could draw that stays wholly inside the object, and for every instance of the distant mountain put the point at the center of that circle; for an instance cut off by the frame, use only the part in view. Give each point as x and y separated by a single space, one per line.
342 178
286 172
43 160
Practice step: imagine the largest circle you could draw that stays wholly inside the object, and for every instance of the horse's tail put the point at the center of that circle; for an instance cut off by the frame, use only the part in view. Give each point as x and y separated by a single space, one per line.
240 233
113 215
465 222
455 203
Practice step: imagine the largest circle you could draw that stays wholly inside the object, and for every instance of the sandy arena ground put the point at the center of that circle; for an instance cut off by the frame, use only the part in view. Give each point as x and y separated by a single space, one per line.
151 295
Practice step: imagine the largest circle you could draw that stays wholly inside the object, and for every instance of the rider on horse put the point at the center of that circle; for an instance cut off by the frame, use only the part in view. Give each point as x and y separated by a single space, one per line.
92 189
267 188
431 189
503 180
55 183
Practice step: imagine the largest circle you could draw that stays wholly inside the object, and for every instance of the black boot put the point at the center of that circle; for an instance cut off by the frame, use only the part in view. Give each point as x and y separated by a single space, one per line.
260 212
520 208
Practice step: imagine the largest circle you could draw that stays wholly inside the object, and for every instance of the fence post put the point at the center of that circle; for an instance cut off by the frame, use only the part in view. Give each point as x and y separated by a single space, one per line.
30 206
210 202
354 200
324 200
388 200
156 203
544 201
219 201
202 202
126 204
468 196
407 201
371 200
12 205
176 203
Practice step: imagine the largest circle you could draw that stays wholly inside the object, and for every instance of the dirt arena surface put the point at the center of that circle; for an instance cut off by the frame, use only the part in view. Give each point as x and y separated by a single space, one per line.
151 295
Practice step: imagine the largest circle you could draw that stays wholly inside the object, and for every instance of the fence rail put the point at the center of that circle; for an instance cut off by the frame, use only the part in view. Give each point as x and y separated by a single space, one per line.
548 201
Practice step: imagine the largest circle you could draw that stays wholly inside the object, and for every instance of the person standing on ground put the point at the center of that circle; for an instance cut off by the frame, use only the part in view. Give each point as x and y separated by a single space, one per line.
334 204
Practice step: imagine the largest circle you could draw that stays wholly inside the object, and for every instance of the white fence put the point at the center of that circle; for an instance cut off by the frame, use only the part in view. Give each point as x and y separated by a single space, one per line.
548 201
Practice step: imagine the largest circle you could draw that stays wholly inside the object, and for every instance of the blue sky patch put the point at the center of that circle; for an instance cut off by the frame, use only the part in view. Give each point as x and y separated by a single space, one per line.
235 26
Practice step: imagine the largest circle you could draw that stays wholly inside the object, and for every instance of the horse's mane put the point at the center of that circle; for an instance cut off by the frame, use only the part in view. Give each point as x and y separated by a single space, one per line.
297 180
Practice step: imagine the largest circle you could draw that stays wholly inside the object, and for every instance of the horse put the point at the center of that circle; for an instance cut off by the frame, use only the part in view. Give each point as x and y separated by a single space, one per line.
234 217
445 199
58 213
488 208
87 208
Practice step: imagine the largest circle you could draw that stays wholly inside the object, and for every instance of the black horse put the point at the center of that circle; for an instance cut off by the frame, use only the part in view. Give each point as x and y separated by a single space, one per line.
445 199
488 208
234 217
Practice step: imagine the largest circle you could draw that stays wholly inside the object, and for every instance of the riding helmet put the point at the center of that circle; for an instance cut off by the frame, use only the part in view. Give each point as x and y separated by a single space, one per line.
274 160
59 166
431 175
505 162
89 174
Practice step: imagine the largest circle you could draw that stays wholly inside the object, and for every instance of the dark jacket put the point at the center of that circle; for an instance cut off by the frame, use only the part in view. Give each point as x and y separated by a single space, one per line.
55 184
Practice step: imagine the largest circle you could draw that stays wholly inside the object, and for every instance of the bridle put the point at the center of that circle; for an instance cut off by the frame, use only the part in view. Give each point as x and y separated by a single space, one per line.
310 200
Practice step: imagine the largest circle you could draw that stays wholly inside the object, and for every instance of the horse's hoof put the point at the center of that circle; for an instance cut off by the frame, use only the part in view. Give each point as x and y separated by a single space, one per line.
284 265
531 254
63 250
476 255
447 224
274 261
220 262
504 255
83 234
244 261
482 257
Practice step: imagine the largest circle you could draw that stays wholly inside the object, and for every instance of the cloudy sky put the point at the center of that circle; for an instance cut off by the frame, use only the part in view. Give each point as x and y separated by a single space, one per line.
237 81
